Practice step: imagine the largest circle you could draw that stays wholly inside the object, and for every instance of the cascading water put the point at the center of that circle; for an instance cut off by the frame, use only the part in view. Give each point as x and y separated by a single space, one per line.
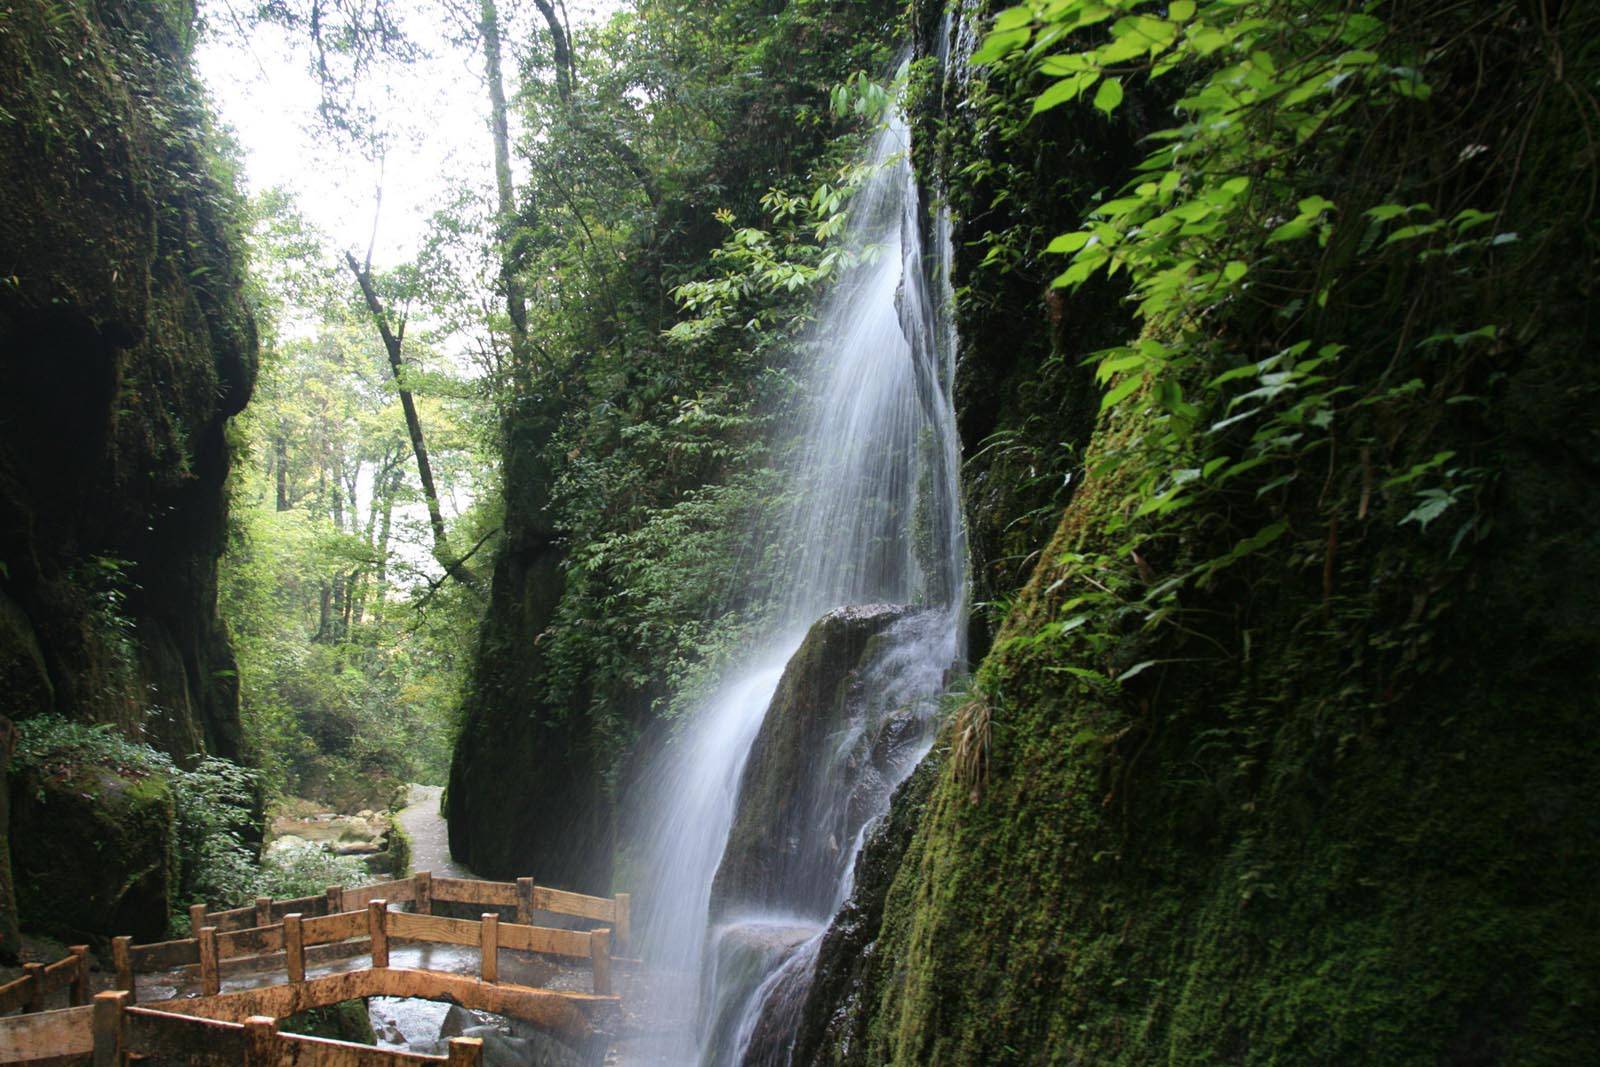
734 897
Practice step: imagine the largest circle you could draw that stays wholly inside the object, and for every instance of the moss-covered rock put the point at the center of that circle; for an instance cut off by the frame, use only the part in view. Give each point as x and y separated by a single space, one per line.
93 852
783 849
346 1021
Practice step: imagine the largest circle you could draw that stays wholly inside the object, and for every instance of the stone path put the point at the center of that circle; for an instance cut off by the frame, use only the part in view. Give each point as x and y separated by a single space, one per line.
428 832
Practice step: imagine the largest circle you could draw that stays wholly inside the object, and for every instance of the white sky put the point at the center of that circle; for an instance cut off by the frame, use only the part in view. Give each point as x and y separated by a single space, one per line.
436 109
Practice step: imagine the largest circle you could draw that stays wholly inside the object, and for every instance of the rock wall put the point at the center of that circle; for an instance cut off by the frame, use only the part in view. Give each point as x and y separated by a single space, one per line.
1348 817
125 345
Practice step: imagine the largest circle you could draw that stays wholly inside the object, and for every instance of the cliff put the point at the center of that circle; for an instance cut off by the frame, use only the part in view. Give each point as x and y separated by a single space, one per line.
125 345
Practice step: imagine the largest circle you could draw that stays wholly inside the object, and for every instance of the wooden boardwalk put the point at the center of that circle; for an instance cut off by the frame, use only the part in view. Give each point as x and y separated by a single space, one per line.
240 1026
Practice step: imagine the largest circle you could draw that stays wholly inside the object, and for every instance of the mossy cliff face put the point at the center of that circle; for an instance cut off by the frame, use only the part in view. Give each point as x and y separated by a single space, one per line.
125 345
1346 812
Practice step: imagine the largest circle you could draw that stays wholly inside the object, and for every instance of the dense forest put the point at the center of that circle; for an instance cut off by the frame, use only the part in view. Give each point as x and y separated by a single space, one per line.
1040 533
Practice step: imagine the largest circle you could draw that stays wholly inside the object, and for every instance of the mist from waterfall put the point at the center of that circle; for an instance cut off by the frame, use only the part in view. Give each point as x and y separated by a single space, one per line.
875 520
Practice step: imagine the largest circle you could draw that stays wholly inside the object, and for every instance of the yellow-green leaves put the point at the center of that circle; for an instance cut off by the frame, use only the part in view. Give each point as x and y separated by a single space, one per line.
1109 95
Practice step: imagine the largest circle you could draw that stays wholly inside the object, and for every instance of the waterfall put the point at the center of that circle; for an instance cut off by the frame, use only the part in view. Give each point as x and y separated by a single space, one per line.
874 526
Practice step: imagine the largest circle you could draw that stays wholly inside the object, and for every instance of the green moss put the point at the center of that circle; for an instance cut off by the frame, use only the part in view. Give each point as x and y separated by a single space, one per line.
1343 811
345 1021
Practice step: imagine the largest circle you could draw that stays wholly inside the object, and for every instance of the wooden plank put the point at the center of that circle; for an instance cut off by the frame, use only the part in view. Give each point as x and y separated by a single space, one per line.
600 957
544 939
263 911
302 906
622 927
294 947
14 994
122 961
162 955
253 941
165 1037
232 919
324 1052
61 973
378 930
315 955
80 981
327 928
562 1014
525 901
106 1020
394 892
65 1032
465 1052
261 1041
563 903
36 988
489 947
422 892
210 979
434 928
335 900
197 916
470 891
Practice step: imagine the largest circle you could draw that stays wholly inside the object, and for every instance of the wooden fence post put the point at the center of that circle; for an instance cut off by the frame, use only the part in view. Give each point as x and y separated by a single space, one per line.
263 911
525 901
210 977
600 957
378 928
35 975
489 947
465 1052
294 947
108 1027
78 992
261 1041
624 922
423 881
122 960
197 917
335 899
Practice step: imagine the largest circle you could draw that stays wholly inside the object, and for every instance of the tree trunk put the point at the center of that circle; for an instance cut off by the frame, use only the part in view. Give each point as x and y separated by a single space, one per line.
391 343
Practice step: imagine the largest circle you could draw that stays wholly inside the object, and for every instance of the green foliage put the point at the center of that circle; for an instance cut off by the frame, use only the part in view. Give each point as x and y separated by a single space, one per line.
214 800
305 869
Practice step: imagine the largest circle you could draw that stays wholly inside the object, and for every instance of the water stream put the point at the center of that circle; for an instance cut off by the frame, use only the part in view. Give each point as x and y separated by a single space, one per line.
876 527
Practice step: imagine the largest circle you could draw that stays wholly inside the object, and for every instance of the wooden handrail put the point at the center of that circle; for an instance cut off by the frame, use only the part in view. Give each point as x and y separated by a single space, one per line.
422 890
70 972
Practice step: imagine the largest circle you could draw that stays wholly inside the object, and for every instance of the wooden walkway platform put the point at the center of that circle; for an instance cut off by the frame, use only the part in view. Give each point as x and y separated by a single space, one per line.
240 1026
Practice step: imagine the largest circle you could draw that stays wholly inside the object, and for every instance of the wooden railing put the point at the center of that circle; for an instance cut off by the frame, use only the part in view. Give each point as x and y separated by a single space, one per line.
239 1027
370 930
421 890
39 980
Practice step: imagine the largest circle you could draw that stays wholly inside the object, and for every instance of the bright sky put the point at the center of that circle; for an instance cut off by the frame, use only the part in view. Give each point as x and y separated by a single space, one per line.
436 109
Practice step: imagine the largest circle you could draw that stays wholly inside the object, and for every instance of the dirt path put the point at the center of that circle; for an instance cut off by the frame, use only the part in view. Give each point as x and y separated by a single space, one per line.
428 832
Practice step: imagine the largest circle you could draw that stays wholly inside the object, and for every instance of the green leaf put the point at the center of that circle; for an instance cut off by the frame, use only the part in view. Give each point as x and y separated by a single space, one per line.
1180 10
1109 95
1065 90
1068 242
1123 390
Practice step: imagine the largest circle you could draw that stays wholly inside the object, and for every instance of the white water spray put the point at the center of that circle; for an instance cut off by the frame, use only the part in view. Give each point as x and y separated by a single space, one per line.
876 519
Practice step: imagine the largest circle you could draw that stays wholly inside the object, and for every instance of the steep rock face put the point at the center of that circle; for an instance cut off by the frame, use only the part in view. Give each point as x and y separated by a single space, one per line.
783 847
125 345
1350 818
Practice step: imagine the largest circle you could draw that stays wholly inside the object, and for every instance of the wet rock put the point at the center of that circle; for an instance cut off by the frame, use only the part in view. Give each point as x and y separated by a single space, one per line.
825 759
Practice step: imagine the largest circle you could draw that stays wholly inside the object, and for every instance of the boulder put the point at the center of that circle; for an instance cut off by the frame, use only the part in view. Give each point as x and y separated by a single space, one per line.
831 747
93 852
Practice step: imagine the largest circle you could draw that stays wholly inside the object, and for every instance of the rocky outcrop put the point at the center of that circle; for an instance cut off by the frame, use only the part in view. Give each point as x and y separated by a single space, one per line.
790 826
